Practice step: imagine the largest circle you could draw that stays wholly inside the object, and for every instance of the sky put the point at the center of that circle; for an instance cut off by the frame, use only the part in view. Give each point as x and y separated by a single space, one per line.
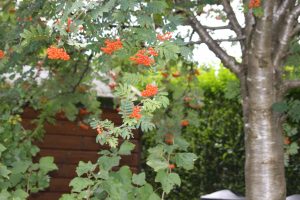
201 53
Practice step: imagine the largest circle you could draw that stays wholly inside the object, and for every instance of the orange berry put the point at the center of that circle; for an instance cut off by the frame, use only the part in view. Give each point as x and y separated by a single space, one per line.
112 46
287 141
176 74
187 99
151 90
112 85
2 54
164 37
83 111
55 53
142 58
164 74
83 126
184 122
254 4
152 51
99 130
169 138
136 113
171 166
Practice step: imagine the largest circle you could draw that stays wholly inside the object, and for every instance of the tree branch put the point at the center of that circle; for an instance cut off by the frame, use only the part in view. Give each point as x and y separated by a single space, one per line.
286 35
218 40
218 27
296 31
283 8
87 66
232 18
291 84
227 60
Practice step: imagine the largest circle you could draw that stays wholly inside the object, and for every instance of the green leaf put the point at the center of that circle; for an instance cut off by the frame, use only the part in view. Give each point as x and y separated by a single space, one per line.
19 194
126 148
80 184
4 194
185 160
139 179
20 166
280 107
293 148
106 8
106 162
4 172
154 196
156 7
2 148
68 197
84 168
145 21
169 51
158 164
127 4
46 164
181 142
294 110
168 181
175 178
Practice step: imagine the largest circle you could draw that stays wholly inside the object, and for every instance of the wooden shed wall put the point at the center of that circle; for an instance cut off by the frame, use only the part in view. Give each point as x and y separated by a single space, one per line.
68 144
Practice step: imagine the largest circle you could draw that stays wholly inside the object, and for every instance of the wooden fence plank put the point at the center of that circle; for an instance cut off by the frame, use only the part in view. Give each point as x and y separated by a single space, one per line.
67 128
75 143
45 196
73 157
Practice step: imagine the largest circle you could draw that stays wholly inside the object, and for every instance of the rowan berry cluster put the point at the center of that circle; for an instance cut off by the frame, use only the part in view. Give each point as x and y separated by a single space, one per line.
112 46
151 90
185 122
136 113
254 3
142 57
164 37
2 54
99 130
171 166
169 138
55 53
152 51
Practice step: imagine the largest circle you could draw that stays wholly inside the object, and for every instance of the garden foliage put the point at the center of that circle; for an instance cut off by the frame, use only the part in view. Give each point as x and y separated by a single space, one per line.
217 138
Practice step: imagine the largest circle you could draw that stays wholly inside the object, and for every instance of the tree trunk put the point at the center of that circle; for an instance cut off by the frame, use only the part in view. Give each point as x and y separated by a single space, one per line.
264 167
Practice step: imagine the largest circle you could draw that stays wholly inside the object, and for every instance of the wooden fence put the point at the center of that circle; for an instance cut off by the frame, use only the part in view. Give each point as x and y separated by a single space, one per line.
68 144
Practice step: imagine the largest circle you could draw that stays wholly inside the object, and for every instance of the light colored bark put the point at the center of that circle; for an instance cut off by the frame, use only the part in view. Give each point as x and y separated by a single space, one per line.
264 167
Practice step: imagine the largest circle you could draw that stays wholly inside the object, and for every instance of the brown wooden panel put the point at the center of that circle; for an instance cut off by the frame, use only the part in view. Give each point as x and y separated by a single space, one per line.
69 144
106 114
67 128
60 185
73 157
75 143
45 196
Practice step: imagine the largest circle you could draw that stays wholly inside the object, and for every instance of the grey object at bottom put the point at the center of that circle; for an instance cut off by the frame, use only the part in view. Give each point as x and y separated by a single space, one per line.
293 197
228 195
222 195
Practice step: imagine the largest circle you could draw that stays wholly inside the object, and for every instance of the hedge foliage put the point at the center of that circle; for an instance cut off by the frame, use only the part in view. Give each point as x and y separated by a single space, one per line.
219 141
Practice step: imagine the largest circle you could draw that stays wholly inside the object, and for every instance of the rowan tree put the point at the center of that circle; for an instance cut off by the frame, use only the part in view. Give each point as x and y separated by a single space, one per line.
76 42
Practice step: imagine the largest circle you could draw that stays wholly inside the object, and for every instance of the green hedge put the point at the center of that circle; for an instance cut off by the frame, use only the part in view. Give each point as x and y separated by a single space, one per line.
218 141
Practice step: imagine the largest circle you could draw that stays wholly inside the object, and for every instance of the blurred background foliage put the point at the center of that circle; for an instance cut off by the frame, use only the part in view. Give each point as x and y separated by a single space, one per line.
217 138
